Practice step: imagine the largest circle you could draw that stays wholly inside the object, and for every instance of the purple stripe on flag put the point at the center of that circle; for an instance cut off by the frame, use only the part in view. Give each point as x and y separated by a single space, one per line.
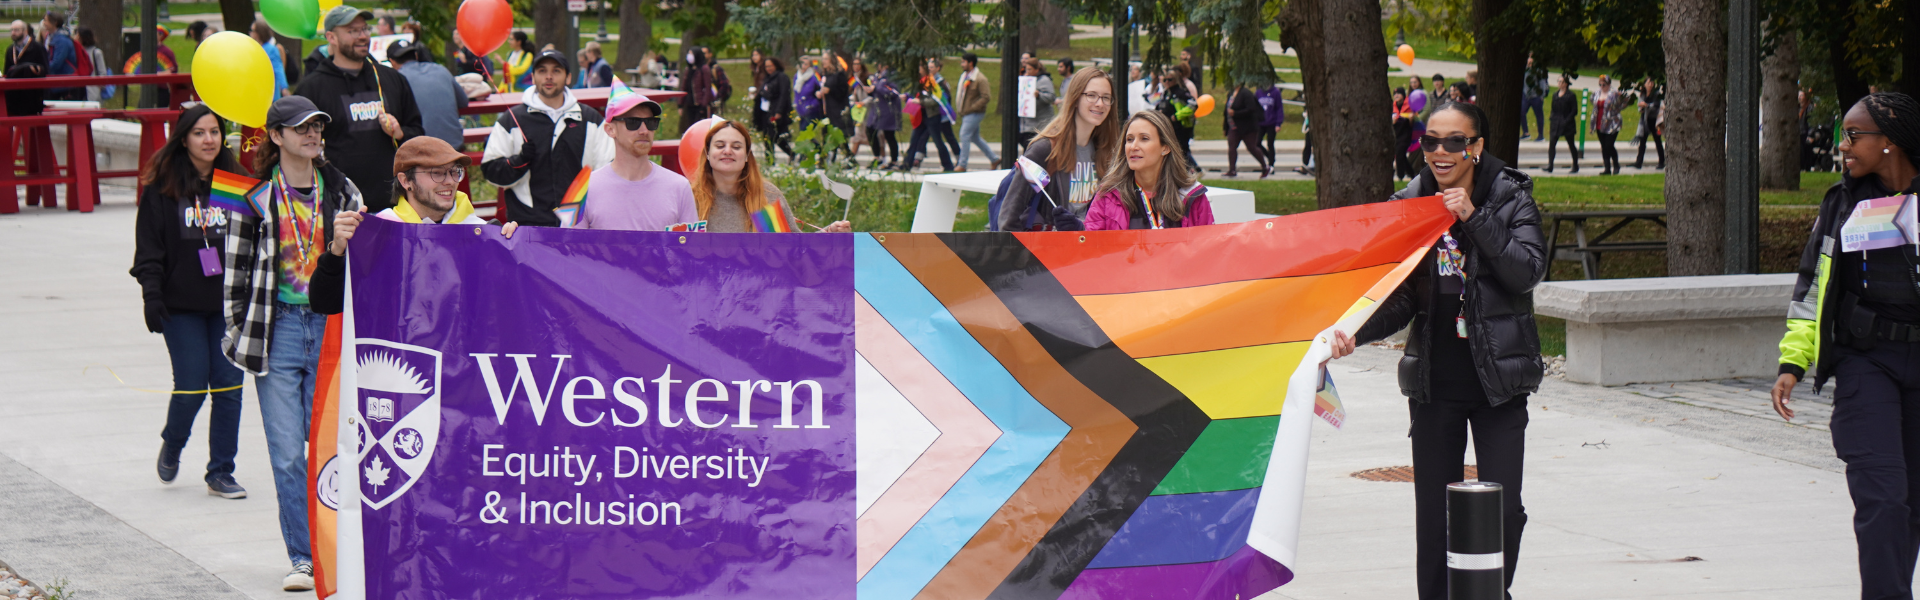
1181 528
1245 574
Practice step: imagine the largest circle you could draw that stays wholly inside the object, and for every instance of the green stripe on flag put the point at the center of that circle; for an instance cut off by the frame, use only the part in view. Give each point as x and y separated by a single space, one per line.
1230 455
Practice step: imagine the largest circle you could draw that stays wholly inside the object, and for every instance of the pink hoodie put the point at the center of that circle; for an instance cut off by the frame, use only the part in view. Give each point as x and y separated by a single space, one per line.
1108 213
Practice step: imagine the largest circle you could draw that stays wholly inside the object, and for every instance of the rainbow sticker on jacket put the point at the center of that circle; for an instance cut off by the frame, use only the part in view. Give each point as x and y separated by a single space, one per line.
1880 223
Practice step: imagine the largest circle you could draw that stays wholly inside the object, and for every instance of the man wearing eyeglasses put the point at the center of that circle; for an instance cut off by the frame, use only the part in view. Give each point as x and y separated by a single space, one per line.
371 106
538 147
632 193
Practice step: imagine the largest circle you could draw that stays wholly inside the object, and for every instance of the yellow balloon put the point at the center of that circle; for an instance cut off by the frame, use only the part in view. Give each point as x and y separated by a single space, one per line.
321 25
233 76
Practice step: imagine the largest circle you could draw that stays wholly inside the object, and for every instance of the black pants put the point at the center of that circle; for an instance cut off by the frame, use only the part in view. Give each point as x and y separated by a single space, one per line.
931 128
874 135
1267 136
1249 137
1402 161
1553 146
1306 151
1439 448
1876 430
1609 155
1658 147
1185 134
776 135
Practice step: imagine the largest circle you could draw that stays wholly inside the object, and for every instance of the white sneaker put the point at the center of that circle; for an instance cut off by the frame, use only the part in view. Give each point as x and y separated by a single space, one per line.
300 579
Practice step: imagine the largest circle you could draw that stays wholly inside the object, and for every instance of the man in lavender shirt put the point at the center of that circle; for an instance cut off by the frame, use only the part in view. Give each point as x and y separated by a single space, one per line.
631 193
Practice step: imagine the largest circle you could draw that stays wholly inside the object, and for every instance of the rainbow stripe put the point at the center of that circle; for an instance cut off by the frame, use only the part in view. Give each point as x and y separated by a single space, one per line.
577 192
772 219
230 193
1878 223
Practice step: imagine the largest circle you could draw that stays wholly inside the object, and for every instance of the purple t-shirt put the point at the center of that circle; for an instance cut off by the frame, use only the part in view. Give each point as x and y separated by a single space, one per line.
660 201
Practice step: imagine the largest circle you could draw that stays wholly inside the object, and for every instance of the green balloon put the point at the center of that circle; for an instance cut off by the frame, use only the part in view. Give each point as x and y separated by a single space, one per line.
293 18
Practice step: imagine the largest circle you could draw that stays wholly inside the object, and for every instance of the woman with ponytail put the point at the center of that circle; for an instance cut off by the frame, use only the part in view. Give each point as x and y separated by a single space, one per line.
1868 336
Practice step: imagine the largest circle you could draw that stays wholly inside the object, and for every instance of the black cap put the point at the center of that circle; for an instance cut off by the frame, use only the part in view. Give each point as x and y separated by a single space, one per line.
556 56
293 110
401 49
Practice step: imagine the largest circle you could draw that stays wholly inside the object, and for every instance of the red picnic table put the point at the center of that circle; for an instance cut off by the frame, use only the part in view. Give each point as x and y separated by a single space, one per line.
32 134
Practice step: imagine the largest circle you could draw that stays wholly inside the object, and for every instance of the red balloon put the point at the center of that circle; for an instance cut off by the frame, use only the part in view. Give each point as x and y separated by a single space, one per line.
693 144
484 24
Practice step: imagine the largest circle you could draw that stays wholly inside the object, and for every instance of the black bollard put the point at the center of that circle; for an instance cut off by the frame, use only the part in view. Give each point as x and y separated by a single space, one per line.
1476 562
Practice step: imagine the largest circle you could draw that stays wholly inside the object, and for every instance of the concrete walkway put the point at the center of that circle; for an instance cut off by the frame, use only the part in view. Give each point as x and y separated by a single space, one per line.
1624 484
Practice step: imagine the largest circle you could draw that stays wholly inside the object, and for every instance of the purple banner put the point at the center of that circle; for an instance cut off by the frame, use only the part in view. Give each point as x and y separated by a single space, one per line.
590 414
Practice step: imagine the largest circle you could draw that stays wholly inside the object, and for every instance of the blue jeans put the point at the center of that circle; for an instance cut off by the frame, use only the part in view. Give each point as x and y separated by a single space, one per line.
1533 105
970 136
930 129
286 409
193 343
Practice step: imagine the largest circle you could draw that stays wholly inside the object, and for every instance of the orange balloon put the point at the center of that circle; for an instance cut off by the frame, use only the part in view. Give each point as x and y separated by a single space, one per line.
1205 108
1406 54
484 24
693 144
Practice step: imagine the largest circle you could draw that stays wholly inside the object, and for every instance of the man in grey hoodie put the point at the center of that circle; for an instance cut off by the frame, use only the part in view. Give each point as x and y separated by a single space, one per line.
434 90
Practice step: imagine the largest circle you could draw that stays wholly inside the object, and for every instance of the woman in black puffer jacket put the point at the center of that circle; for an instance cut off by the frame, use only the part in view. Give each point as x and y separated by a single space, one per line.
1473 354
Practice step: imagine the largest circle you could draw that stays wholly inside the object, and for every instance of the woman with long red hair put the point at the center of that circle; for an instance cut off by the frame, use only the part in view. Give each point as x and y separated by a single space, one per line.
729 192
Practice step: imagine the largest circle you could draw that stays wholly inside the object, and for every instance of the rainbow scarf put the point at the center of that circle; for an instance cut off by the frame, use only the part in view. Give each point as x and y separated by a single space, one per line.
772 219
932 85
230 193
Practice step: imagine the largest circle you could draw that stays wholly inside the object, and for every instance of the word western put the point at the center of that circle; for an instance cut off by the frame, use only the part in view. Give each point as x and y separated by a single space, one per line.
632 393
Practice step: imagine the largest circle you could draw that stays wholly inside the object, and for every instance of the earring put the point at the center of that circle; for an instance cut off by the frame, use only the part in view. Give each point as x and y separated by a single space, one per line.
1886 151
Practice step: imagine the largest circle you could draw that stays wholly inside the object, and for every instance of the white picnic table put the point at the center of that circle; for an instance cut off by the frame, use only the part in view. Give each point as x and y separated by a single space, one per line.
940 199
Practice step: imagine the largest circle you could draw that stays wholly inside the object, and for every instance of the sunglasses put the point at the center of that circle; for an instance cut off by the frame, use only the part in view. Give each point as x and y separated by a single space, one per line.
1453 143
634 123
1853 135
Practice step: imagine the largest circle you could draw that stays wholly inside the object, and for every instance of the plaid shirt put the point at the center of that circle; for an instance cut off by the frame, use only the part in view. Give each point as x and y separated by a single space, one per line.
252 253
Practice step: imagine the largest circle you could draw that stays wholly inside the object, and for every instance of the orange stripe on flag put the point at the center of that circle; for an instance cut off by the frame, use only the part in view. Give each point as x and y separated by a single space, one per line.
1228 315
322 436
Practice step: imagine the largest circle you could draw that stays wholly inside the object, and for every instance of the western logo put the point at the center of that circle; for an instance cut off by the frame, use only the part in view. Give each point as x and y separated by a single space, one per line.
398 398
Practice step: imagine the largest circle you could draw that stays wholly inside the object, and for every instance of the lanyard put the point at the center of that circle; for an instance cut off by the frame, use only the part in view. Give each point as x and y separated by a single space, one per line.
1153 219
200 214
304 240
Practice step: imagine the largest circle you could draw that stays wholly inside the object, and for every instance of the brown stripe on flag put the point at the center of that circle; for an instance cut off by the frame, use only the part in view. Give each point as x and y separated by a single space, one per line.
1098 431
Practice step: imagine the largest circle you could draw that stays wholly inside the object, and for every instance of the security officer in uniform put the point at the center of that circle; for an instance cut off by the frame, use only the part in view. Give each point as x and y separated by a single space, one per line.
1855 317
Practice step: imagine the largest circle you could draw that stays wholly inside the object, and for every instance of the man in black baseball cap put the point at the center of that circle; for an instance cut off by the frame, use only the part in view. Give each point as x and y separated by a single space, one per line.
539 147
439 97
372 106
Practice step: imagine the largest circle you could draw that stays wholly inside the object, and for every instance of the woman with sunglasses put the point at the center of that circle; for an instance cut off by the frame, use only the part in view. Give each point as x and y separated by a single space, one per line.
1155 190
1077 149
1867 335
1473 354
731 196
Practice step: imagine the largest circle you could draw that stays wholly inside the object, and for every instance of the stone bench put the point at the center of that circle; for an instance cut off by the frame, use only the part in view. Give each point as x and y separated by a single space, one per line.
1622 331
116 147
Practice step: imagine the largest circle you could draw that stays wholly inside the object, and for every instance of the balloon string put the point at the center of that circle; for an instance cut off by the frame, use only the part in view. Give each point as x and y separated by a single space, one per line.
123 383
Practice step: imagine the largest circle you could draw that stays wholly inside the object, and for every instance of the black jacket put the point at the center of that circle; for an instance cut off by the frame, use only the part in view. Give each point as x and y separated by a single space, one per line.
776 91
1566 110
1505 258
549 168
355 143
168 235
1247 112
326 292
26 59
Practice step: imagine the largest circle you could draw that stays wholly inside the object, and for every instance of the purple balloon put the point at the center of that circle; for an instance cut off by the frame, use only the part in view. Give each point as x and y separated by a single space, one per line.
1417 101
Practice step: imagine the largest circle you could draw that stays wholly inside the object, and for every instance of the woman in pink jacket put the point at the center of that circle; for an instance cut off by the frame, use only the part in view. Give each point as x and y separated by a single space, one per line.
1156 190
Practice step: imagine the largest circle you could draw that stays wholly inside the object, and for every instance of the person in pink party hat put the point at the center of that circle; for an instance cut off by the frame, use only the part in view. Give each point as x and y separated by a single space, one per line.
631 193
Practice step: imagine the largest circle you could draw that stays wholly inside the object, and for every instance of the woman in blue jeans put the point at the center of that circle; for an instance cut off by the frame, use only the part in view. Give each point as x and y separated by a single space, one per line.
178 238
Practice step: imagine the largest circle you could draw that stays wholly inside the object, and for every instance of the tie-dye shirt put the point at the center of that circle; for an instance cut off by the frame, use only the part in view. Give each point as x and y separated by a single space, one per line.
295 225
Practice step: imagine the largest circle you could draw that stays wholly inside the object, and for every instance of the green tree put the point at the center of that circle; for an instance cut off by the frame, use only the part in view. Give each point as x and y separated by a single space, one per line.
895 32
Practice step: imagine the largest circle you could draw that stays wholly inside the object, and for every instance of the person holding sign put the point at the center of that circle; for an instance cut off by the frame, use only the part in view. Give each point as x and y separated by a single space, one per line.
730 194
370 106
1855 315
1155 191
273 331
178 236
631 193
1473 354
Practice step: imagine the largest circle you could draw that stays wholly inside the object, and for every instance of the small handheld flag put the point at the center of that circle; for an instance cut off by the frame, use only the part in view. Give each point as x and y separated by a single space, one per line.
772 219
1036 176
230 193
1326 401
844 191
577 191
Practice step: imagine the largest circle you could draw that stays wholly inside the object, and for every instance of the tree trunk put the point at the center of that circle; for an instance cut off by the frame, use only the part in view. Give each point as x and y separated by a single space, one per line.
1780 114
1694 36
1501 73
1352 141
1910 50
235 15
636 35
1044 26
1847 83
553 25
103 17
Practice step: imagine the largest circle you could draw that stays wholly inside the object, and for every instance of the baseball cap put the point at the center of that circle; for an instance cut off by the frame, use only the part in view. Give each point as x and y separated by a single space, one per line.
556 56
342 15
400 49
294 110
621 99
426 151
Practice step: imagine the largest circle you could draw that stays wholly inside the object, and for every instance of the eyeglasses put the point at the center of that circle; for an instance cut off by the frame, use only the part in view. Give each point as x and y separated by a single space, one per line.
453 175
1106 99
634 123
1453 143
308 127
1853 135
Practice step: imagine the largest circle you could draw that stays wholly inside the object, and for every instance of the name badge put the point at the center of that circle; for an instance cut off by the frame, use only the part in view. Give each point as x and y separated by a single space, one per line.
210 262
